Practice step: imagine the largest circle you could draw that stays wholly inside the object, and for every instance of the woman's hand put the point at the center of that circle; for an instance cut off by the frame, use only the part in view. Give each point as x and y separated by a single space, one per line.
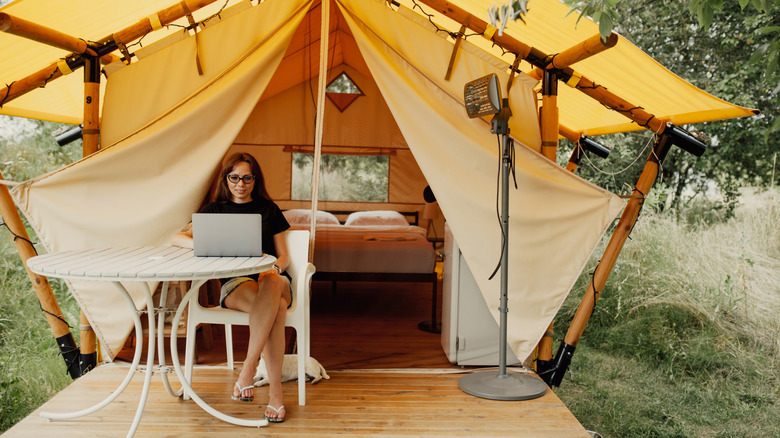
282 254
183 238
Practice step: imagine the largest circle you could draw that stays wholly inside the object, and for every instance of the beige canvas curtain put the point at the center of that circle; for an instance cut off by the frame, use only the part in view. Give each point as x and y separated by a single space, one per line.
169 129
556 218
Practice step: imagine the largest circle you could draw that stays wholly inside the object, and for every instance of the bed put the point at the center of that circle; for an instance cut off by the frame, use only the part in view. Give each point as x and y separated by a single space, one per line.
369 246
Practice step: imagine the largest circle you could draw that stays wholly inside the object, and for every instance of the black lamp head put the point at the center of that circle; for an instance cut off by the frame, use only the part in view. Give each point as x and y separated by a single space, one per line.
592 146
685 140
71 135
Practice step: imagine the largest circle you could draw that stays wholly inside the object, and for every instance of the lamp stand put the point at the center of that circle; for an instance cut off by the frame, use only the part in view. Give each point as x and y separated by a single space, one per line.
488 384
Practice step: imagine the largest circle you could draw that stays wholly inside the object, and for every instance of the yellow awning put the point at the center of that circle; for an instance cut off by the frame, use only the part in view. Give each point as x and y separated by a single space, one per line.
624 69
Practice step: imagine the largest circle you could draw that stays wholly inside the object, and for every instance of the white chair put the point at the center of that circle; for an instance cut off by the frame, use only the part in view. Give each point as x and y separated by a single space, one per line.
300 270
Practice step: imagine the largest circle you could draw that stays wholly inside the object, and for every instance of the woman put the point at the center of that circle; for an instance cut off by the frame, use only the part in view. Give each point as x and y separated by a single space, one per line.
241 189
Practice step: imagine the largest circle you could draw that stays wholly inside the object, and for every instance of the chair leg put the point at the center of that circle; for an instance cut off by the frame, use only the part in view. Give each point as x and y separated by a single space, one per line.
301 377
189 356
229 344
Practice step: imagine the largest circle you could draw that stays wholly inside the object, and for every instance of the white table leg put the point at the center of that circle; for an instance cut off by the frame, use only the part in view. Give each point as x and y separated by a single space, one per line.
133 366
149 359
186 385
161 343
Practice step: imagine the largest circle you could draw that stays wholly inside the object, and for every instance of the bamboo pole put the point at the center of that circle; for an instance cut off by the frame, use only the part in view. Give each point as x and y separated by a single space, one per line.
555 371
43 34
90 135
616 242
568 133
46 298
54 71
163 17
541 60
592 46
549 115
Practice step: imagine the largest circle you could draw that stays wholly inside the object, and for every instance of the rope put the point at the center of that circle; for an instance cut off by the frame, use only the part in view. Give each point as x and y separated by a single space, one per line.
320 121
596 292
641 154
16 236
7 93
454 35
195 24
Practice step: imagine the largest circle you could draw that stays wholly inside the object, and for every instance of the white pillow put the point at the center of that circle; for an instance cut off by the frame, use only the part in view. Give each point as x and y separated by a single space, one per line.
300 216
377 217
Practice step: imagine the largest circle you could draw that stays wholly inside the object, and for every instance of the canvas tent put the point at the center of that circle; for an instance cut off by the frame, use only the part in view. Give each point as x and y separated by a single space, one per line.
165 128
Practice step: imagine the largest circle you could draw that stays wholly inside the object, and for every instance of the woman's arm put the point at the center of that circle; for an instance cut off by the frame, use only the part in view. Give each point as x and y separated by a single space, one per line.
282 254
183 238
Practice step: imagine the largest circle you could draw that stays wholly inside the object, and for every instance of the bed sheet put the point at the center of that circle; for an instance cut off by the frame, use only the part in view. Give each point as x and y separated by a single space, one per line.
390 249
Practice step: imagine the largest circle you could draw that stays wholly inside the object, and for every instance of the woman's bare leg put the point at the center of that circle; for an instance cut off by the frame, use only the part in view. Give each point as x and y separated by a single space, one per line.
262 302
273 353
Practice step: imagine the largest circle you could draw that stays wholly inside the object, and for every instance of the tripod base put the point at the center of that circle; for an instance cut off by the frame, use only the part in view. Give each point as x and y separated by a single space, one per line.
514 386
430 326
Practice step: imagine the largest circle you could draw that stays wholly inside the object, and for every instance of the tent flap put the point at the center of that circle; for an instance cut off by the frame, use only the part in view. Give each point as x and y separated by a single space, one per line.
556 218
141 190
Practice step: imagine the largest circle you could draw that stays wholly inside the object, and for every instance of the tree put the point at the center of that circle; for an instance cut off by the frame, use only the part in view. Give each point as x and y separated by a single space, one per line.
717 59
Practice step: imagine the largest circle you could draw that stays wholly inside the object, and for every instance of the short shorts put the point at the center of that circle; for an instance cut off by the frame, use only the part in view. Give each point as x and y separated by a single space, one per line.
230 284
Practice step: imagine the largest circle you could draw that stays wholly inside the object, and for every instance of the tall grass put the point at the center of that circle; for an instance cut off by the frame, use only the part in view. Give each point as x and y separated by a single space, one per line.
685 341
31 370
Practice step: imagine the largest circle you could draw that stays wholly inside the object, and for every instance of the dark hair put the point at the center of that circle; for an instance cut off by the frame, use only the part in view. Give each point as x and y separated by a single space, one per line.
258 191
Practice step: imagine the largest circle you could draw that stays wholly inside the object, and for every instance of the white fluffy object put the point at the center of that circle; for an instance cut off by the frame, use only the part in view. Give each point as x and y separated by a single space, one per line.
314 370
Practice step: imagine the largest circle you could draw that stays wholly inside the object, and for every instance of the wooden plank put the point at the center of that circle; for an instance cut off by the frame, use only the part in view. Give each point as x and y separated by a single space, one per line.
356 404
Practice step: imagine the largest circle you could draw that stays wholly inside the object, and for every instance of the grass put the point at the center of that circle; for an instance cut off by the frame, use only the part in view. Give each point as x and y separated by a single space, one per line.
685 340
31 371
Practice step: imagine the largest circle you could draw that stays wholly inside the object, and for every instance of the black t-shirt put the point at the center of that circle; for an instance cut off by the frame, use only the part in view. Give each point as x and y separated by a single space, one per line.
273 221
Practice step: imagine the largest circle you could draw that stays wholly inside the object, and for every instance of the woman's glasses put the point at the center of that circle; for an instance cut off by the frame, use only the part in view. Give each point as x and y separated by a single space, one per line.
247 179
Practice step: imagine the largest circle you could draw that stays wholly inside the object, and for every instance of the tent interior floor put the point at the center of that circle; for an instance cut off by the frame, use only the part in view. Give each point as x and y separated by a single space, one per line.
387 379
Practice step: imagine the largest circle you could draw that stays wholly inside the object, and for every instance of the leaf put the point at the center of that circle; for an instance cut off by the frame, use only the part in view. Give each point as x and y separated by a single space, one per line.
707 14
769 29
743 3
605 26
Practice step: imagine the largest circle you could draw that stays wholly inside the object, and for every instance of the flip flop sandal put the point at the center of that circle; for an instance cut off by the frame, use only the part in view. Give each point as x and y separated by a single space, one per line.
275 419
241 391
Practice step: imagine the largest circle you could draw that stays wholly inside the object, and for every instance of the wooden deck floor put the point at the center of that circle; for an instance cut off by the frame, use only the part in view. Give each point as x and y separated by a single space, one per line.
387 379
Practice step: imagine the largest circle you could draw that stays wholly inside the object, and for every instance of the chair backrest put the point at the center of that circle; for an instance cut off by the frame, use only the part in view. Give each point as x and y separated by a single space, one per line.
298 249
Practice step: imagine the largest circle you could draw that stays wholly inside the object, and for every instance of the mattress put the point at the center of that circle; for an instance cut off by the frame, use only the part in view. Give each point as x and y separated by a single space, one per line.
372 248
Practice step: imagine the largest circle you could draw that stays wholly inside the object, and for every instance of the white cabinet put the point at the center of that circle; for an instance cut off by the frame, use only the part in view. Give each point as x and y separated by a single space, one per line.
469 334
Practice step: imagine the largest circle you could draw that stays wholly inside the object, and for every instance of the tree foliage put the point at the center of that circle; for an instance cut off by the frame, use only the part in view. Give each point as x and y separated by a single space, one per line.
355 178
714 53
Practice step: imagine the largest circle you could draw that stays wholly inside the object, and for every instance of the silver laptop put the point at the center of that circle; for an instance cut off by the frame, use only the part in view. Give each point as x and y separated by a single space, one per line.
227 234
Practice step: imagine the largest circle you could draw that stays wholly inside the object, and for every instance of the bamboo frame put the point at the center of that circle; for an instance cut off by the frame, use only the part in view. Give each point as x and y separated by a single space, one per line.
618 239
43 34
55 70
541 60
554 370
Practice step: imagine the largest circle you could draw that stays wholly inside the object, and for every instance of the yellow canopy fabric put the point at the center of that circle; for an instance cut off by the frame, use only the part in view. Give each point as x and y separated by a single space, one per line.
625 70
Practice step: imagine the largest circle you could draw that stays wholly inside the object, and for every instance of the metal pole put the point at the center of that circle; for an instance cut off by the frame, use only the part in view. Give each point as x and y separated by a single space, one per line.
503 309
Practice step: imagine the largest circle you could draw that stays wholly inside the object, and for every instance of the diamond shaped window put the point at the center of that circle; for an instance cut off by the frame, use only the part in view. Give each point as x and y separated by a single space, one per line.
342 91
